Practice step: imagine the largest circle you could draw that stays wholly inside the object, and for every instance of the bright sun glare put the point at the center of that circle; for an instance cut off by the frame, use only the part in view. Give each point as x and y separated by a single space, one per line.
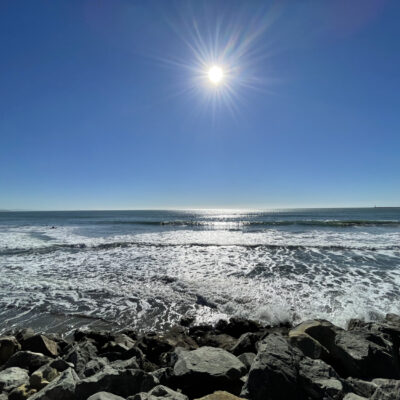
215 74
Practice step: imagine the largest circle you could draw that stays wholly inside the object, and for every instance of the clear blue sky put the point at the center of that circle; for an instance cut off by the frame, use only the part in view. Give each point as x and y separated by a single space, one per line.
102 105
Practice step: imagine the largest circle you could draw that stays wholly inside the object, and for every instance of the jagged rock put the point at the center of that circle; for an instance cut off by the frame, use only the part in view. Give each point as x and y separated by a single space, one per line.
41 344
8 346
98 338
364 355
61 388
13 377
143 362
352 396
21 393
360 387
220 395
247 359
121 382
273 374
177 337
131 363
207 368
80 354
120 344
105 396
43 376
160 392
388 389
237 326
153 346
94 366
246 344
61 365
23 334
165 376
222 340
27 360
319 380
393 318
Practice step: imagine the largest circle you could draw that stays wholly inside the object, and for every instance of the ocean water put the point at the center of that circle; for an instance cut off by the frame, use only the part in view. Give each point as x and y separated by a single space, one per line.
145 269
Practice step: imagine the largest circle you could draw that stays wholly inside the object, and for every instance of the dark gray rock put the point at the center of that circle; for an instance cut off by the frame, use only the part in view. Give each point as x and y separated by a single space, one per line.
131 363
388 389
360 387
94 366
273 374
246 344
41 344
160 392
247 359
105 396
205 369
120 382
319 380
237 326
61 388
8 346
80 354
61 365
27 360
13 377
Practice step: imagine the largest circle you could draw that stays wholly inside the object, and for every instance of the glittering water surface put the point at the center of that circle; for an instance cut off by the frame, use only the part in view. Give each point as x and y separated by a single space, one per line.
60 270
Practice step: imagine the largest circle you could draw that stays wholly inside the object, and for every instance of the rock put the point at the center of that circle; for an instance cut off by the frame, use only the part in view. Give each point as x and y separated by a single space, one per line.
27 360
364 355
120 382
8 346
165 376
187 320
13 377
120 344
237 326
94 366
360 387
223 341
80 354
23 334
43 376
153 346
388 389
98 338
220 395
246 344
207 368
61 365
160 392
131 363
273 374
61 388
21 393
393 319
319 380
352 396
41 344
104 396
247 359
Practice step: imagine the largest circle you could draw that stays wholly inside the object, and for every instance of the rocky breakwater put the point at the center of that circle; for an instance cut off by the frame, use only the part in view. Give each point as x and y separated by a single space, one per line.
233 359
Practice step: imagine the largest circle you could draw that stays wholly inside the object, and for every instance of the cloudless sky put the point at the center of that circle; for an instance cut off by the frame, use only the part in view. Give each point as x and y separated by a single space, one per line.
103 104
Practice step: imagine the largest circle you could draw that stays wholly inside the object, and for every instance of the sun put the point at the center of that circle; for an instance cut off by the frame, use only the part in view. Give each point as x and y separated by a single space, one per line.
215 74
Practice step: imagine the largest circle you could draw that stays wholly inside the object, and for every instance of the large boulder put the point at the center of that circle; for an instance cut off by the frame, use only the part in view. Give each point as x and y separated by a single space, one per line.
27 360
104 396
41 344
13 377
388 389
319 380
245 344
8 346
120 382
205 369
237 326
61 388
42 376
80 354
273 374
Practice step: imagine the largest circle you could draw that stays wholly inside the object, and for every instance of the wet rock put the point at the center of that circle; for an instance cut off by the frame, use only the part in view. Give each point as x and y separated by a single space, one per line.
131 363
247 359
105 396
159 392
205 369
120 382
27 360
237 326
80 354
187 320
13 377
393 319
222 340
41 344
153 346
97 337
8 346
61 388
246 344
120 344
220 395
273 374
319 380
61 365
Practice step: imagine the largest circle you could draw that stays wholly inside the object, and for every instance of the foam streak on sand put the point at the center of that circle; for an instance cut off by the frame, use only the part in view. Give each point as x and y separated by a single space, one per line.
91 271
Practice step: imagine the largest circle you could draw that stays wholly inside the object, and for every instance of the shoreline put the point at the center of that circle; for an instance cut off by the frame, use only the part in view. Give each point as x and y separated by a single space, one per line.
233 359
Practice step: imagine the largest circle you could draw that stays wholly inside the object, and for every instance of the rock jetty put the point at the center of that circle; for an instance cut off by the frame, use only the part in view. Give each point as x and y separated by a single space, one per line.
233 359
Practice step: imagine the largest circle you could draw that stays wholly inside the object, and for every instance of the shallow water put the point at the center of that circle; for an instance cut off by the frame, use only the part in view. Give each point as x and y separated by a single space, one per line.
61 270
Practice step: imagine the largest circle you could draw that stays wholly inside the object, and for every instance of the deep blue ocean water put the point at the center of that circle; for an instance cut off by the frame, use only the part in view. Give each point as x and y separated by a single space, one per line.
145 269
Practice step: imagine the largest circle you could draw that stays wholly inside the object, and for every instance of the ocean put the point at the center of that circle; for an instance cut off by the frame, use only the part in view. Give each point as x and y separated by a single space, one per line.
146 269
